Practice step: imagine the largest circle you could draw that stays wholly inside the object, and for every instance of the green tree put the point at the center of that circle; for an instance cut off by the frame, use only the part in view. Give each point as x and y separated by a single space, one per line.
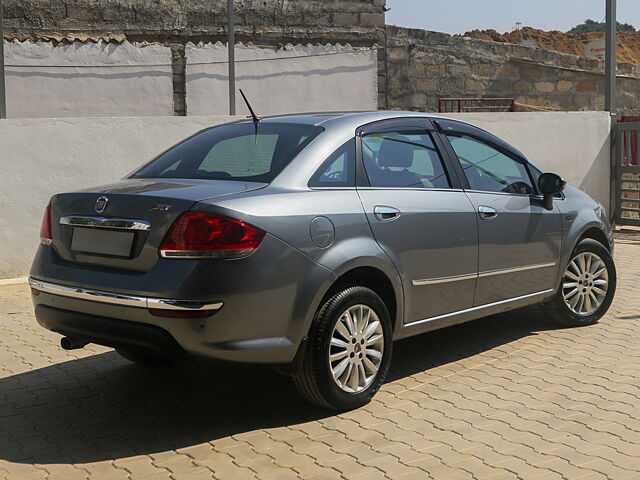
593 26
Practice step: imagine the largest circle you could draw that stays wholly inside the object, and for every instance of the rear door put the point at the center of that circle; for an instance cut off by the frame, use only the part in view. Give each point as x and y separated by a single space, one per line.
419 215
519 240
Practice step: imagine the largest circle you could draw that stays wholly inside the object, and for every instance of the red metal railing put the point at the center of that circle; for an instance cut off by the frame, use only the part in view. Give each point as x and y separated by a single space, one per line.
476 105
630 139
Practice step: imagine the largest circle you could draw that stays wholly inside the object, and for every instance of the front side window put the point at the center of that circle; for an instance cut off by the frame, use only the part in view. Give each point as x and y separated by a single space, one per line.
487 169
403 159
233 152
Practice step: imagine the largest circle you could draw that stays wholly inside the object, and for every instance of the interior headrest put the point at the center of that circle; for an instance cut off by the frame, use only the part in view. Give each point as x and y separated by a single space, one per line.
396 152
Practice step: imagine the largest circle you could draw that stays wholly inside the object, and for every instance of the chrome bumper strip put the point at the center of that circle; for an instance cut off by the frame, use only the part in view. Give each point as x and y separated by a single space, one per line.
435 281
121 299
104 222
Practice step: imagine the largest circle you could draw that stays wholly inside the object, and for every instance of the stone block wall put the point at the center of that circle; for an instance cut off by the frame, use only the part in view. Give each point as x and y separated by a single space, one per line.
359 22
423 66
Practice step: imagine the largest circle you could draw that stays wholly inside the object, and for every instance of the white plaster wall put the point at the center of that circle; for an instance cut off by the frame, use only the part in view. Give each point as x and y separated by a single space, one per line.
41 157
45 156
575 145
292 80
87 79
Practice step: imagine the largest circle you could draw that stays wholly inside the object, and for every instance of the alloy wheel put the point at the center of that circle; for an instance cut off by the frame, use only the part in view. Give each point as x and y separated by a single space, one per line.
585 283
356 349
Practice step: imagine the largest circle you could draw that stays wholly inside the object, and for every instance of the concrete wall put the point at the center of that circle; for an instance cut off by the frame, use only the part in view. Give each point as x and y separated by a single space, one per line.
294 79
575 145
45 156
88 79
423 66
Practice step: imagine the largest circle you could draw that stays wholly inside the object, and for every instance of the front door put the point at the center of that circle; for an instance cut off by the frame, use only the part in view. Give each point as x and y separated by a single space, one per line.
420 216
519 241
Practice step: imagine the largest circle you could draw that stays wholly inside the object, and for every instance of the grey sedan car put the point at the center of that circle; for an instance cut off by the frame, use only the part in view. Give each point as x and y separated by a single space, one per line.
313 242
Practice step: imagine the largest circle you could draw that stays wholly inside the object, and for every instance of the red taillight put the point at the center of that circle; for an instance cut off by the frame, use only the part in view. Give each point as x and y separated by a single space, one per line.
45 228
198 234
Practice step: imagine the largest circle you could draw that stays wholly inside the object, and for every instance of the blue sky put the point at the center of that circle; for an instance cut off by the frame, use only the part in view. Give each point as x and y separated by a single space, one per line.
459 16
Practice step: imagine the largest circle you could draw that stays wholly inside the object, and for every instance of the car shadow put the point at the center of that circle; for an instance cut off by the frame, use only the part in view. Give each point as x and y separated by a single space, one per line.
102 407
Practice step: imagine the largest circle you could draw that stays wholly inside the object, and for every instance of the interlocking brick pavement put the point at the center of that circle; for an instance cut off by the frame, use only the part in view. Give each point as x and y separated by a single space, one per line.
506 397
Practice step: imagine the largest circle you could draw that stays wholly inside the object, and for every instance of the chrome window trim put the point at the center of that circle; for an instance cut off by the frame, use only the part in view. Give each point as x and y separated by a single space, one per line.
454 278
481 307
502 271
121 299
404 189
528 195
105 222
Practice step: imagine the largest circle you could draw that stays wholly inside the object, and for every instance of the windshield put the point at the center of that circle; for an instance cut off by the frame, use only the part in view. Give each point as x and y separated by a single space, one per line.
233 152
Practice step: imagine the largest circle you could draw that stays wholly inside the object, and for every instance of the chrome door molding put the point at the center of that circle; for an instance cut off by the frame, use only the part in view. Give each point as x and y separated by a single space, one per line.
454 278
480 308
104 222
502 271
472 276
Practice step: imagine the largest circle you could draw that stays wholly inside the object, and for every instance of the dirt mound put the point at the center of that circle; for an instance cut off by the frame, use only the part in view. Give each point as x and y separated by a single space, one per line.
628 43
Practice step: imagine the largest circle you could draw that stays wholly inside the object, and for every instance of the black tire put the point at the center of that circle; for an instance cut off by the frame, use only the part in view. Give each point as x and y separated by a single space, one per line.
560 311
144 358
316 382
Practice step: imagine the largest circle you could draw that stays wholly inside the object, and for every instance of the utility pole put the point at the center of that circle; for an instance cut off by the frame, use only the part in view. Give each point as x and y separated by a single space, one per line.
3 95
231 57
611 61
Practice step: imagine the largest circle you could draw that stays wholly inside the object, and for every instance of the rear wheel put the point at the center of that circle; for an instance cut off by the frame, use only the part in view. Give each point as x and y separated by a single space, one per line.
588 286
349 350
143 358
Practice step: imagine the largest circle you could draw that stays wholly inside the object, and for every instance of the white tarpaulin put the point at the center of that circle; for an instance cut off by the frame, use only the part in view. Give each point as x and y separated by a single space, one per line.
88 80
289 80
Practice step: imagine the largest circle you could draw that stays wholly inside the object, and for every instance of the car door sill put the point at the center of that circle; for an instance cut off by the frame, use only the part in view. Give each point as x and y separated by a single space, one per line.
462 316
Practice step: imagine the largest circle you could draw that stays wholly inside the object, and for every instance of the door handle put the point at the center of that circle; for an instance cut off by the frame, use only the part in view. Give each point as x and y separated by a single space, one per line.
386 214
487 213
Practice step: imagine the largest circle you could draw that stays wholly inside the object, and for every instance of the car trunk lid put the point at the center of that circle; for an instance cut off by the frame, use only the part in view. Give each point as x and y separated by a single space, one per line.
121 225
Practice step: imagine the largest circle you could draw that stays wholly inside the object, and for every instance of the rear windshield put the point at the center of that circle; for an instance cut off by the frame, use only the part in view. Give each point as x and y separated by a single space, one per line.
233 152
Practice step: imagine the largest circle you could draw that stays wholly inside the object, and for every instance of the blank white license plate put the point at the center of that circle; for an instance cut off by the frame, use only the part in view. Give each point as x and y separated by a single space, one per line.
103 242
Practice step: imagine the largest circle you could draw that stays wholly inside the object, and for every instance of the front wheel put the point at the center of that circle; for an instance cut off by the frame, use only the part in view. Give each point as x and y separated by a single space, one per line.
588 286
348 352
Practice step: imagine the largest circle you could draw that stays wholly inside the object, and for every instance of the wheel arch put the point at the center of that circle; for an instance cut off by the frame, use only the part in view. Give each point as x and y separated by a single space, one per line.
594 233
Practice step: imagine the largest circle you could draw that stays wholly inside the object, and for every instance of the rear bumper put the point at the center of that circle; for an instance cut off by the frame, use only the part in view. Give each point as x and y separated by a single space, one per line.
262 305
108 332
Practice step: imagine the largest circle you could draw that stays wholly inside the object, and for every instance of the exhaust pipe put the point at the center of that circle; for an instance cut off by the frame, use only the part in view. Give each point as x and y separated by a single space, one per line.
71 344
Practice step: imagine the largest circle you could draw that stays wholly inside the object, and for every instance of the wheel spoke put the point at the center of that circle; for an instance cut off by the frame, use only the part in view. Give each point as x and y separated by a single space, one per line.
362 373
573 303
337 356
594 300
599 291
587 266
342 329
570 285
595 264
336 342
571 293
575 267
354 378
598 273
340 368
373 353
374 339
371 329
571 275
601 282
581 263
369 365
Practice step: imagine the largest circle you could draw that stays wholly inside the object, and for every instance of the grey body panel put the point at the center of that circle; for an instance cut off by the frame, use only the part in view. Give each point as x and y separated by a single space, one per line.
434 237
518 248
314 236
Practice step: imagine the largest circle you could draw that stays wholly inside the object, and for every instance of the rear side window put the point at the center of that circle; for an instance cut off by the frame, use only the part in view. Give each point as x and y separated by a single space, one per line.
339 170
233 152
487 169
403 159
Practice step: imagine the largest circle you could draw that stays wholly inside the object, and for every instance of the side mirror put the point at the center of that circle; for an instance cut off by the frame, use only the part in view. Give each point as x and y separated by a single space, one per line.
549 185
